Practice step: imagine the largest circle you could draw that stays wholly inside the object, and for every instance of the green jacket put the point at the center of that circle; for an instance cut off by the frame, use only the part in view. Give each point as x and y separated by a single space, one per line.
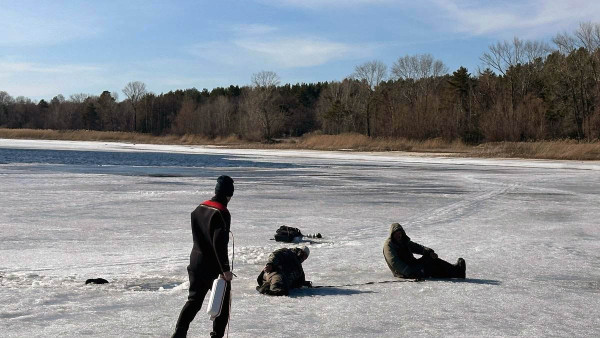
399 256
286 262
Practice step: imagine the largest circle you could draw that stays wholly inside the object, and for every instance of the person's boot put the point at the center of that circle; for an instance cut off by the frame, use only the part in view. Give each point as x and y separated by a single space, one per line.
264 288
461 266
277 293
179 333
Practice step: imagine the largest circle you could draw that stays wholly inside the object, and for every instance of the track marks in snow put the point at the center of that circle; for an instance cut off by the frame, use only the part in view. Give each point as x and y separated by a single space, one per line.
457 210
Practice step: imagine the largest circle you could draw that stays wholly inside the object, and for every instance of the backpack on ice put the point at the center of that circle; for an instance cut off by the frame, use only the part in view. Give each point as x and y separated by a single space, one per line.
287 234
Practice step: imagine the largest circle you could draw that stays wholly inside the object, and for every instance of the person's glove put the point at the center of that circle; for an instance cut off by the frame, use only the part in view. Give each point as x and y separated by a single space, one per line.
227 275
431 253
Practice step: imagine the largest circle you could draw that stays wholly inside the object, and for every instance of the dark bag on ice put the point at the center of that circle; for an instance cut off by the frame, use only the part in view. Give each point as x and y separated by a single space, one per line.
287 234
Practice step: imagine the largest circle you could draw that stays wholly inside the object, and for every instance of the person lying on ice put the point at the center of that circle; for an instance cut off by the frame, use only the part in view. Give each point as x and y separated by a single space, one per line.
283 272
398 251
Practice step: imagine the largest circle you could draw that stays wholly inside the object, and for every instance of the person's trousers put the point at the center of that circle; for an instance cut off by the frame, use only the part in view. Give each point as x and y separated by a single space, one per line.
276 282
198 290
438 268
272 284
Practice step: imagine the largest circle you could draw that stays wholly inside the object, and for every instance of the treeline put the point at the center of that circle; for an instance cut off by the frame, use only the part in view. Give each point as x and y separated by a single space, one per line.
528 90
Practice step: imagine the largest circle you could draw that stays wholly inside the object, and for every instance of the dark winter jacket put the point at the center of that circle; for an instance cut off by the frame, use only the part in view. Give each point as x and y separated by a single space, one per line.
210 229
399 256
286 262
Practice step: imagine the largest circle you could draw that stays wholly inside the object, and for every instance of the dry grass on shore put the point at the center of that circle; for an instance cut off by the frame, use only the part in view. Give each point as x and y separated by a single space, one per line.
359 142
556 150
560 150
114 136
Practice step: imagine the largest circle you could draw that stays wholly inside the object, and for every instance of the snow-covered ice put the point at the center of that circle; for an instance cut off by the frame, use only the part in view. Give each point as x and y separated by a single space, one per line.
528 230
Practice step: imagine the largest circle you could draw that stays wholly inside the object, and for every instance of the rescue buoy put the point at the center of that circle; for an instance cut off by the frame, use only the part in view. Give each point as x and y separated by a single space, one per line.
217 294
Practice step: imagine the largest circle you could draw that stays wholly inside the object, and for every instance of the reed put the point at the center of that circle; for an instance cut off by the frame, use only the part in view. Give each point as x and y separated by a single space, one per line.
558 150
92 135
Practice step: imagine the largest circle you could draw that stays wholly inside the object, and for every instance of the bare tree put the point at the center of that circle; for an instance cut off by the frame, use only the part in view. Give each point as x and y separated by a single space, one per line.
224 112
265 79
187 119
589 35
107 109
134 92
5 100
418 67
505 54
565 43
370 73
340 105
586 36
260 102
54 118
582 51
79 98
422 74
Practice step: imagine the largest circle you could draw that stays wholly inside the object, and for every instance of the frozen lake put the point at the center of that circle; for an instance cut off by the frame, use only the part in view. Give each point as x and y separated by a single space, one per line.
528 230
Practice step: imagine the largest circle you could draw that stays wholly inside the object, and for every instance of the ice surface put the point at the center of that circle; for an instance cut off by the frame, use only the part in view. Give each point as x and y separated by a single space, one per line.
527 229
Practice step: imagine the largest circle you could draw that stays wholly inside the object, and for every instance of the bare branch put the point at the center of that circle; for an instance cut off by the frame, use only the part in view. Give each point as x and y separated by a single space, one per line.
565 43
265 79
418 67
504 55
135 91
372 72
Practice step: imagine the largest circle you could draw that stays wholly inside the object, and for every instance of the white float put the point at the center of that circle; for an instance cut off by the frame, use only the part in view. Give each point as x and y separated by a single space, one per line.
217 295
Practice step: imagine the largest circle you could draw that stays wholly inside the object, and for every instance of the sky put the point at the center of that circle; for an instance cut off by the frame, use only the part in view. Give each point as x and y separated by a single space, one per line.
68 47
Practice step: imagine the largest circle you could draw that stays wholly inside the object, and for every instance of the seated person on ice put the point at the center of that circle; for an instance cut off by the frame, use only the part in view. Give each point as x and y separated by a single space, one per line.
283 272
398 251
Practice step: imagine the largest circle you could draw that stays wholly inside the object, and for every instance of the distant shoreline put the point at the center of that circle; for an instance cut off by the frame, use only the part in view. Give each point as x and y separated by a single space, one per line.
551 150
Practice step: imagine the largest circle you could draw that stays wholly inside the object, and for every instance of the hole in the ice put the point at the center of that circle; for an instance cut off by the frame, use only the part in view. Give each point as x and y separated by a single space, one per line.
152 285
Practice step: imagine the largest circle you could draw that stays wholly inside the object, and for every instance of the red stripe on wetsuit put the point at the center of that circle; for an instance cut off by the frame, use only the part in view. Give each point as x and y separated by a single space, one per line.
215 205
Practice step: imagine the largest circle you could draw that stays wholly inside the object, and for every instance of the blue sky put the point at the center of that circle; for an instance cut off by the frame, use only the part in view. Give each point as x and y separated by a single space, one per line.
67 47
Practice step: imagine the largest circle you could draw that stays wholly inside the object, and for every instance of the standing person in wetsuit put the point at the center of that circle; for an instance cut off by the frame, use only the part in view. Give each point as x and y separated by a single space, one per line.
209 259
398 251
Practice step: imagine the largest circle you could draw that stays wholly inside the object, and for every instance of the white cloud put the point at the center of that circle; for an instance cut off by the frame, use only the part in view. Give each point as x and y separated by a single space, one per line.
281 52
524 18
317 4
298 52
255 45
